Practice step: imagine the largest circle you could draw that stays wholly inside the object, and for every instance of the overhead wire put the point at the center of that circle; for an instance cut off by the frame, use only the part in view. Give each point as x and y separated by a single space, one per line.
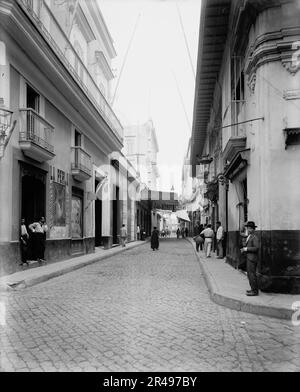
185 40
125 57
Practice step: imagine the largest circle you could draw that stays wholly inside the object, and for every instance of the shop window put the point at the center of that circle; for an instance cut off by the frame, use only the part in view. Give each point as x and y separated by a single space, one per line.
77 213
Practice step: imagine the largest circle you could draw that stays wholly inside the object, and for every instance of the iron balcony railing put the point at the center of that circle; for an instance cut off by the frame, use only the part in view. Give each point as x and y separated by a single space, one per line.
81 160
40 13
36 129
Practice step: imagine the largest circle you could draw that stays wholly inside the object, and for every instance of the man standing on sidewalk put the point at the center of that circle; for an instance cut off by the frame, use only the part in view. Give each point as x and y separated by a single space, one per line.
39 230
208 234
123 235
220 237
251 250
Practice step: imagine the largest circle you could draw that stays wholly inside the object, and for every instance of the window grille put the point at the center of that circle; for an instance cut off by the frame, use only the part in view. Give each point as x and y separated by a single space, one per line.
237 90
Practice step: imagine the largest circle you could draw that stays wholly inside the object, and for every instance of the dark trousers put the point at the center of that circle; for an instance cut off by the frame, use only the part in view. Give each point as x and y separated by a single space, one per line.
24 252
199 245
38 245
251 273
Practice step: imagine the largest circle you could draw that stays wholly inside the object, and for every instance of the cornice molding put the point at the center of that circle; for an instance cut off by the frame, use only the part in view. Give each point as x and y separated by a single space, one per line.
84 25
252 82
101 26
291 94
271 47
233 146
101 60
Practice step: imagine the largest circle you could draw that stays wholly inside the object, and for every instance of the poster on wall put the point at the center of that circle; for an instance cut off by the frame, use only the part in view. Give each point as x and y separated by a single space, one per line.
76 217
59 197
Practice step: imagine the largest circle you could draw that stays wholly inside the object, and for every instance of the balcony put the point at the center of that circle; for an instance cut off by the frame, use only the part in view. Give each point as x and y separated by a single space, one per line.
36 136
45 21
81 164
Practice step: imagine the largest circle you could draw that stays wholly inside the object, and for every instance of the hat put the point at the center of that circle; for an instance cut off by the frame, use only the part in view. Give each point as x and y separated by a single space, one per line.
251 224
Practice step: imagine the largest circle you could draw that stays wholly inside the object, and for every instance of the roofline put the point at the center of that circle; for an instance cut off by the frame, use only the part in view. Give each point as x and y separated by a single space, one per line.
219 11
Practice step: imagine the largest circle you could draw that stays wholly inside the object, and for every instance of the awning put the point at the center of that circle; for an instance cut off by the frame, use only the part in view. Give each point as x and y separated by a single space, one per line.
182 214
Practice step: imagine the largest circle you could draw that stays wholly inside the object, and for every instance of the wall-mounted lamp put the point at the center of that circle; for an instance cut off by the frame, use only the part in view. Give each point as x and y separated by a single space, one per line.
205 160
223 180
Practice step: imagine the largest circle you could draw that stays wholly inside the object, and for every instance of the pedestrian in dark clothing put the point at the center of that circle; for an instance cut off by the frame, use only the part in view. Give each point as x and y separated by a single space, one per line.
142 235
199 242
201 228
39 230
155 239
197 229
178 233
251 249
186 232
182 232
24 238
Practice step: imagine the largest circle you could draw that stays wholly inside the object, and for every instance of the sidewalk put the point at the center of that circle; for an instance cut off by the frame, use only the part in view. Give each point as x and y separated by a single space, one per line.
227 287
32 276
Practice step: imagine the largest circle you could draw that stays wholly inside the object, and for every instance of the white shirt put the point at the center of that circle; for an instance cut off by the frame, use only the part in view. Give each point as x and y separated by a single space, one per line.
23 230
220 233
38 228
208 233
123 232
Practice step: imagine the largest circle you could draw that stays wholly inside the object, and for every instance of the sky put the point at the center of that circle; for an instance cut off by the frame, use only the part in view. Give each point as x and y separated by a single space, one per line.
158 73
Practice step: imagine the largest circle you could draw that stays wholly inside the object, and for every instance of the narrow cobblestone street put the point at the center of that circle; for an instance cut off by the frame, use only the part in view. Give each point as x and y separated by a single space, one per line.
139 311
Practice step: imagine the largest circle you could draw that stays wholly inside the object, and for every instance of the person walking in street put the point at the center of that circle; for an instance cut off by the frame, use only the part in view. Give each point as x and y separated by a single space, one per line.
178 233
39 230
155 239
199 242
182 232
138 232
208 234
24 239
220 238
123 235
197 230
186 231
251 249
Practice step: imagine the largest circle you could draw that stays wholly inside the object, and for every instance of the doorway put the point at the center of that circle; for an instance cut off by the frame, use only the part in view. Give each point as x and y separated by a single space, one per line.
33 198
98 220
33 193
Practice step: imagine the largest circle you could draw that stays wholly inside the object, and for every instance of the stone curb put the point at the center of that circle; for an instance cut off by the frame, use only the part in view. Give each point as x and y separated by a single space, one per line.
32 281
236 303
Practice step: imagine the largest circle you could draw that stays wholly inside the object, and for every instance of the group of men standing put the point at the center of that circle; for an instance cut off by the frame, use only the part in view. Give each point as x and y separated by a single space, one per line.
204 238
32 241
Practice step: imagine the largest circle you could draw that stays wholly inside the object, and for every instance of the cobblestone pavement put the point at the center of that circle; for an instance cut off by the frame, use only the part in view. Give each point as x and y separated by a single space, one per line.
139 311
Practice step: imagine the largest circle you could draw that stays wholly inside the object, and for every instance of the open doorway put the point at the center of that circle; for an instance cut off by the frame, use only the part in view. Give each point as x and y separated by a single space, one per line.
33 199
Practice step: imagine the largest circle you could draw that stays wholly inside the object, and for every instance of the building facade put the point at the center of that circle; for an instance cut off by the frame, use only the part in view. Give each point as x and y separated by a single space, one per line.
246 129
55 63
192 199
141 149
